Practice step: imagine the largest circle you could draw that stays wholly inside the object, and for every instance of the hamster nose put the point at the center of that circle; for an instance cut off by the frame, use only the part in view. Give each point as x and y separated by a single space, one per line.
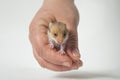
59 42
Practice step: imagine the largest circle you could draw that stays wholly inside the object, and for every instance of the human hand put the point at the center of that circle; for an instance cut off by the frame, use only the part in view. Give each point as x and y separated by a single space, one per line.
61 11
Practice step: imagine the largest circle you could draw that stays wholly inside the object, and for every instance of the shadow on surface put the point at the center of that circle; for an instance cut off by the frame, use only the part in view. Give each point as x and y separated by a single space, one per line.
86 75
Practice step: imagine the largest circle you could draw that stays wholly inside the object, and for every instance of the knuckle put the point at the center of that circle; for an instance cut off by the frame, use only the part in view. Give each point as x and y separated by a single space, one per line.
42 64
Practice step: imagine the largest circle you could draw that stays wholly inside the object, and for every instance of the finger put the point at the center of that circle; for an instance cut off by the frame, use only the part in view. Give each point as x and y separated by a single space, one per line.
74 54
72 45
76 64
43 63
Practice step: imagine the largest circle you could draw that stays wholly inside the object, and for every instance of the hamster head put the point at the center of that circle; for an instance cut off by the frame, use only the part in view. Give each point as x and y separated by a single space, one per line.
58 32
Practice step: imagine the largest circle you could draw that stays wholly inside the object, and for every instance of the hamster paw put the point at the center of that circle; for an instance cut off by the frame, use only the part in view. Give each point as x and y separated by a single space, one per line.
51 45
62 52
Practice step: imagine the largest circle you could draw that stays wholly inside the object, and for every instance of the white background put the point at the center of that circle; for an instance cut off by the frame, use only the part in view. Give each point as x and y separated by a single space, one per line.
99 41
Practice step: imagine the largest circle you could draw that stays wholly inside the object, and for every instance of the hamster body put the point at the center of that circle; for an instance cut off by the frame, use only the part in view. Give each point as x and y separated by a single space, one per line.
58 36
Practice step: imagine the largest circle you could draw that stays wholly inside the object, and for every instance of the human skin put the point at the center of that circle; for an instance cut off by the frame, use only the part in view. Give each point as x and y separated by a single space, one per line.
61 11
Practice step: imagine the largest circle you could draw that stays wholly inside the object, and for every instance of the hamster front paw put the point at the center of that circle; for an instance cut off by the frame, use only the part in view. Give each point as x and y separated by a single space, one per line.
61 51
51 45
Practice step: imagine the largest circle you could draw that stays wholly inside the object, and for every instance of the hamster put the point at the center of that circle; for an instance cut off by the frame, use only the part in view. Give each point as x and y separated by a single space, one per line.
58 36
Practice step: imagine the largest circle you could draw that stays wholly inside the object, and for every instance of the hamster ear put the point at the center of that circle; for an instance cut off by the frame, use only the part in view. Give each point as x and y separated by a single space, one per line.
64 24
50 24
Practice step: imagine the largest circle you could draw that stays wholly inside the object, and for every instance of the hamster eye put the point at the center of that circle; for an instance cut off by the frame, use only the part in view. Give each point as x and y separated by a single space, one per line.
64 35
55 34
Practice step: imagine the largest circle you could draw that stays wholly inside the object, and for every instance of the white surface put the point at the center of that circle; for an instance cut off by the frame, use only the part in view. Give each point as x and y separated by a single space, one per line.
99 41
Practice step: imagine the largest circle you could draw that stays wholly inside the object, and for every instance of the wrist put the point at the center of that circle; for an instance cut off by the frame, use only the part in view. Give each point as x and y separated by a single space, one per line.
59 1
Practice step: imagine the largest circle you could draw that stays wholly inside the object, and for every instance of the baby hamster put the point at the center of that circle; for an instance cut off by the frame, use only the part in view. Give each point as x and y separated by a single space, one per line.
58 36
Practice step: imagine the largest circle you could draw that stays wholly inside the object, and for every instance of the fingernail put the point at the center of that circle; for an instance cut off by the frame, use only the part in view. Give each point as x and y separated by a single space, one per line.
75 67
77 61
66 64
76 52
